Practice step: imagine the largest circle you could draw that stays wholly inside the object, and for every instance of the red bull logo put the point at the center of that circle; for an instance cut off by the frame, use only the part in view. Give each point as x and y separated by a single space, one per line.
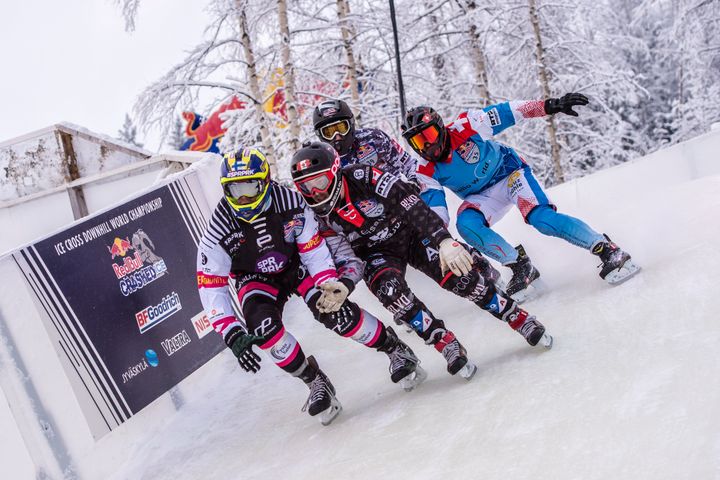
204 136
119 247
137 270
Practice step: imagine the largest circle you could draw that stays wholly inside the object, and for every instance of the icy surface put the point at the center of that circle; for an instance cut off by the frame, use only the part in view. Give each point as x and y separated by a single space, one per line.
629 391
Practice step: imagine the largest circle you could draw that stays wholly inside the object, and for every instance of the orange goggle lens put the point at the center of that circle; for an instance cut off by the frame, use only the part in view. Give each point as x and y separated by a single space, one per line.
425 137
328 131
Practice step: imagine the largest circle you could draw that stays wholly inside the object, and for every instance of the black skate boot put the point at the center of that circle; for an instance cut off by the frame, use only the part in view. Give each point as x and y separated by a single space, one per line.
524 273
455 355
322 393
527 326
487 270
617 265
404 365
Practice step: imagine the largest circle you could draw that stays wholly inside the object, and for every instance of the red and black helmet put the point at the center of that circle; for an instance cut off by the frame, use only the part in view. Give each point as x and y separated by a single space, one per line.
425 132
315 169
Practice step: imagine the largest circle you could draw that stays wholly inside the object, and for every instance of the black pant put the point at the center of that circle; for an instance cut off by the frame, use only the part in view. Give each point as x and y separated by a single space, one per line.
263 297
385 277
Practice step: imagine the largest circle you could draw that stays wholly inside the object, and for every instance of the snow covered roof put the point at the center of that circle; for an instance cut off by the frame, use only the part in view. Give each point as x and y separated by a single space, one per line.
81 132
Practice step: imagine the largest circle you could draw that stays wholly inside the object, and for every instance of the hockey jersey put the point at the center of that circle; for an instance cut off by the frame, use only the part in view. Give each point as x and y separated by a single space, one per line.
375 148
378 212
476 162
278 242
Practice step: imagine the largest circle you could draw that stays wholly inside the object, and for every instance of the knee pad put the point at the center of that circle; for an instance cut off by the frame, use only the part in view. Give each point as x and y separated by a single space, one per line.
344 320
262 317
471 286
395 295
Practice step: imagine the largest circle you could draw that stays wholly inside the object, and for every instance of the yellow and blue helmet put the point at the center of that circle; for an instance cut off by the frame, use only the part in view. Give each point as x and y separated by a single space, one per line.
245 178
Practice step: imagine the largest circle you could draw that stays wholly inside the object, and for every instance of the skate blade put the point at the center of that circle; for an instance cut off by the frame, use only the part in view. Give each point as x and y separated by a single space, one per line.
414 379
468 371
627 271
531 292
546 341
327 417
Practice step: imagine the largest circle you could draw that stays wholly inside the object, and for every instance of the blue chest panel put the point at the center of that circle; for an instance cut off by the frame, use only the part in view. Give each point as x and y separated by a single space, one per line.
476 164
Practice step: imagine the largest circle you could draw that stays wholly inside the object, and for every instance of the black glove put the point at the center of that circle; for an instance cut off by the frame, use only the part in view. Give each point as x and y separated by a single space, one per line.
241 344
565 104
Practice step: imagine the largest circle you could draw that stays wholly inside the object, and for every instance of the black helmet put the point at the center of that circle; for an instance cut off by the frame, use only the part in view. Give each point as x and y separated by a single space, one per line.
315 169
426 134
334 123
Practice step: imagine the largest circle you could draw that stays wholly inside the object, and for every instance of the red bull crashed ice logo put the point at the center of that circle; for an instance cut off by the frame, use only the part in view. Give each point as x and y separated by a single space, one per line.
138 269
153 315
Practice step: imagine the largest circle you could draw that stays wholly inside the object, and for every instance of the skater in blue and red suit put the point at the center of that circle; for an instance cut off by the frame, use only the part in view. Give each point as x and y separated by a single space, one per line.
490 177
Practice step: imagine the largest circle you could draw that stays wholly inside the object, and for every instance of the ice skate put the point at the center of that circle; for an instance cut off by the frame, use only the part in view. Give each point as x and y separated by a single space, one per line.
525 283
456 356
534 331
617 265
322 398
404 365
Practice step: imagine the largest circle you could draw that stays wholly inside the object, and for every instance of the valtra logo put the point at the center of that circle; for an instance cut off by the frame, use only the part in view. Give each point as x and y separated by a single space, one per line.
139 265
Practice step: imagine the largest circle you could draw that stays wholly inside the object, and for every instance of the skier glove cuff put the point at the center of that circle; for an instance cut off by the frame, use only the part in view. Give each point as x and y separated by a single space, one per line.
454 257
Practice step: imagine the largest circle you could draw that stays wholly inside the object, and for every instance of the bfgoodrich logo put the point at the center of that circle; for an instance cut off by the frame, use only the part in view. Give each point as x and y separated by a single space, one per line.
152 315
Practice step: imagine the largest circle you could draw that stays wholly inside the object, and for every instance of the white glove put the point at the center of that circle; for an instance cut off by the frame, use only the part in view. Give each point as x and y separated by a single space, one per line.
455 257
333 296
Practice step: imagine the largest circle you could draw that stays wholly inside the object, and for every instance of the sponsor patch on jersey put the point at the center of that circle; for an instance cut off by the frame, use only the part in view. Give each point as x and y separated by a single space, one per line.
408 202
271 262
385 182
293 228
512 178
469 152
377 261
359 174
371 207
365 151
494 117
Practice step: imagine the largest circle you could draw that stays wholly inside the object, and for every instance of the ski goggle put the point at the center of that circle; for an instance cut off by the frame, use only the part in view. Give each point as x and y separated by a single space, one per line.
328 131
245 192
317 187
425 138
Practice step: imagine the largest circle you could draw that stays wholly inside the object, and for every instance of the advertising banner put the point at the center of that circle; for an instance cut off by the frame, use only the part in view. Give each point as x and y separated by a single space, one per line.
119 294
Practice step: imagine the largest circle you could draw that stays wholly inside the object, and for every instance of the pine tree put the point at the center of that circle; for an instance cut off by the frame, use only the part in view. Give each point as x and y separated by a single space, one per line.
128 132
176 139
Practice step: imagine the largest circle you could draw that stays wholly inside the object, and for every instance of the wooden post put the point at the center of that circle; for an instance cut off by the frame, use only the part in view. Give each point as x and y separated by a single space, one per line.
72 173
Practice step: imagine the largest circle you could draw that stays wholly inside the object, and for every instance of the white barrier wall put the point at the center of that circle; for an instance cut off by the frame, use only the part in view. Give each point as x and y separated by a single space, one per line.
41 396
39 392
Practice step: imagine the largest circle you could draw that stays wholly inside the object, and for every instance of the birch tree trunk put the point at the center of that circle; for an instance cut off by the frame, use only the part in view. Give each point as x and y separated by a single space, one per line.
438 60
254 84
478 57
288 76
348 35
545 85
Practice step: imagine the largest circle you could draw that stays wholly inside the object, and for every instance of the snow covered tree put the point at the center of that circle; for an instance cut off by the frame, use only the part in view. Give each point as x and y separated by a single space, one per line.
128 132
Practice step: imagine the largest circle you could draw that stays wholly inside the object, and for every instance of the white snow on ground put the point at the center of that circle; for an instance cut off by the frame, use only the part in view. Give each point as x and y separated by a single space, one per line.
630 390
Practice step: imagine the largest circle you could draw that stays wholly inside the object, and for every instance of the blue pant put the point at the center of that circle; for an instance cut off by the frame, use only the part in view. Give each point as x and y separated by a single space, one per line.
474 229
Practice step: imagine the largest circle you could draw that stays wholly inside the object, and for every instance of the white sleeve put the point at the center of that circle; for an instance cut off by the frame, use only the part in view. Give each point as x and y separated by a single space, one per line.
213 270
314 252
348 264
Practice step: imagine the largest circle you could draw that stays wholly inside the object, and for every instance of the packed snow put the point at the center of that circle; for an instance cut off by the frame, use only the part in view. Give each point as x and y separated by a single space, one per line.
629 390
